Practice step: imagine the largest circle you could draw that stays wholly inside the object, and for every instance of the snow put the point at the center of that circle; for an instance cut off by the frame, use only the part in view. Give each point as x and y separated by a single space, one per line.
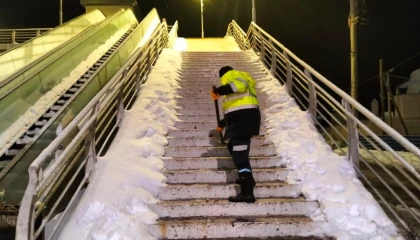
207 44
348 209
129 176
8 137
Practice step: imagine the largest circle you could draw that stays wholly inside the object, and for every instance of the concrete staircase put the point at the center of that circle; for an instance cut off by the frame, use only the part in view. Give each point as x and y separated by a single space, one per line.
201 174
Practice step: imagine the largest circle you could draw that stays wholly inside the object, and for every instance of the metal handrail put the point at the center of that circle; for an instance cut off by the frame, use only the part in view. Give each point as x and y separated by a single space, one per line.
314 92
16 36
122 89
173 34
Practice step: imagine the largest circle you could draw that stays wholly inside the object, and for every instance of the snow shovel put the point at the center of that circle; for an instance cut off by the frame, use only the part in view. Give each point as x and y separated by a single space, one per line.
216 104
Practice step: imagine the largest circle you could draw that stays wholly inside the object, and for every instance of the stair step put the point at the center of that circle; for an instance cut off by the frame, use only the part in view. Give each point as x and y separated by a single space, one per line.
211 117
239 227
206 111
214 71
218 163
200 133
208 105
193 97
219 207
213 141
216 191
215 74
258 151
223 176
197 125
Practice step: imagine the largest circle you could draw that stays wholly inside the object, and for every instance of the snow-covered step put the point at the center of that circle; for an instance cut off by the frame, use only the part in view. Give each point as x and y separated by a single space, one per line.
216 191
195 125
243 227
221 207
215 70
206 106
215 75
223 176
257 151
196 87
210 141
205 111
187 104
201 133
206 118
192 117
217 163
198 125
203 96
196 106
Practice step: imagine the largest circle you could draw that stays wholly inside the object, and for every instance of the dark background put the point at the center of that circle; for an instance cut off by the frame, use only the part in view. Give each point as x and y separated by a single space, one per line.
315 30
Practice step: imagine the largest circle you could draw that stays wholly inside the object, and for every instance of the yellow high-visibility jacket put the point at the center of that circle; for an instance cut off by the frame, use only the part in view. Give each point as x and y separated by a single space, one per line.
243 86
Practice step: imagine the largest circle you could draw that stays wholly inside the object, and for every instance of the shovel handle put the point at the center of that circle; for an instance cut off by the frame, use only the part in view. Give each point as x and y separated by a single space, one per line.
216 105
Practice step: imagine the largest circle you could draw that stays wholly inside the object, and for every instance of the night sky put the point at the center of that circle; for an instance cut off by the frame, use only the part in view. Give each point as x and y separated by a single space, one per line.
315 30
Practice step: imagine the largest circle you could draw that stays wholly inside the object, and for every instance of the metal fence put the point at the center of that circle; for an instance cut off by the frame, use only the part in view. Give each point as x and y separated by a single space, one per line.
392 177
77 159
16 36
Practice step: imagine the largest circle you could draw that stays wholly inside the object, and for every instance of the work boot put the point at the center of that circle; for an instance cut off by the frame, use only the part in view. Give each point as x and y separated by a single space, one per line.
247 189
238 181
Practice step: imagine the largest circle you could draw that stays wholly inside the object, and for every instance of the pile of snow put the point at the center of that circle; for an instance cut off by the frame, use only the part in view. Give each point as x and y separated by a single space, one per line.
348 209
129 176
8 137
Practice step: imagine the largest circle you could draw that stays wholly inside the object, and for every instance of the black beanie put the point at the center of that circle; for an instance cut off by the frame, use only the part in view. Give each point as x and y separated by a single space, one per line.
224 70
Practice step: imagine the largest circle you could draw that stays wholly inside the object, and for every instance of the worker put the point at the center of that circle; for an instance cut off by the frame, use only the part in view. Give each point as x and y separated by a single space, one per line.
242 119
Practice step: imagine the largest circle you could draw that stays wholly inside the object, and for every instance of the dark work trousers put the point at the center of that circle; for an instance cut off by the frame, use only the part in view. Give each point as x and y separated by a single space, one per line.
239 148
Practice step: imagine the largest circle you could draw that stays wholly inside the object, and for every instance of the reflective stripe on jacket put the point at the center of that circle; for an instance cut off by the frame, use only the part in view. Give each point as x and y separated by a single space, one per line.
243 86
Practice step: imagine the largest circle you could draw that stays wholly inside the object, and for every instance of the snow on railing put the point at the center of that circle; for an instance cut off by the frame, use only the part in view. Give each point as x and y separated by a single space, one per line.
81 153
393 177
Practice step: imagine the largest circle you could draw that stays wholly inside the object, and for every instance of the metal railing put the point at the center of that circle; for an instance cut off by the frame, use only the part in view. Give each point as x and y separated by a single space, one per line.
16 36
173 34
392 178
78 158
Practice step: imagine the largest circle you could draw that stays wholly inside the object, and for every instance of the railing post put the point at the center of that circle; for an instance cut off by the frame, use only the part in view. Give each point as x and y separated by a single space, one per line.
120 103
13 37
149 61
157 47
289 80
138 77
38 32
353 136
254 39
262 50
312 95
273 59
90 146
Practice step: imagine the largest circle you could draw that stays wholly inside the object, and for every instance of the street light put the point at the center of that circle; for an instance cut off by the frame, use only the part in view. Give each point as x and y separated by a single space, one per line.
254 12
202 20
61 12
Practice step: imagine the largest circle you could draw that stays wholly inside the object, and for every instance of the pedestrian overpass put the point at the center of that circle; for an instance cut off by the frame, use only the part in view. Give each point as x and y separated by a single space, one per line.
66 108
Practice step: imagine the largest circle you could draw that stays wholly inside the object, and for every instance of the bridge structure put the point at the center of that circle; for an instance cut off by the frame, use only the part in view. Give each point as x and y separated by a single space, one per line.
69 95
